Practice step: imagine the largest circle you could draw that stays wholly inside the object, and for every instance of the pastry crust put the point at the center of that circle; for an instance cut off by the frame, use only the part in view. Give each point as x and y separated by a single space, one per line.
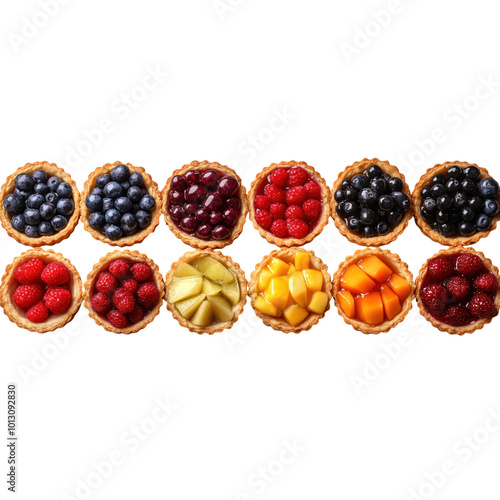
149 184
358 168
417 203
51 169
397 265
134 256
192 240
281 324
231 265
456 330
9 283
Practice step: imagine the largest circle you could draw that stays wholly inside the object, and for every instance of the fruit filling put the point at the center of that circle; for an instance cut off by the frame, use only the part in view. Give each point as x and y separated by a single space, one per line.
459 289
460 203
291 289
204 291
205 203
372 203
288 203
371 291
39 205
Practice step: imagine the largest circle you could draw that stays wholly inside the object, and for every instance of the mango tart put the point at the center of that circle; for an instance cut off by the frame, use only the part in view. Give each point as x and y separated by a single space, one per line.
373 290
290 290
206 291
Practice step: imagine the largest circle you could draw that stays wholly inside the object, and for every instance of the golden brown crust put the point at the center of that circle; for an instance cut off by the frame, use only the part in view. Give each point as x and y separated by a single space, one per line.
358 168
9 283
279 323
417 203
231 265
149 184
325 197
397 265
134 256
455 330
8 187
192 240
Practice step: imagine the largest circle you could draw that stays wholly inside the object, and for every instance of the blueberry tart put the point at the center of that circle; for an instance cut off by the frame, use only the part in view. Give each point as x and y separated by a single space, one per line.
120 204
40 204
371 203
205 204
456 203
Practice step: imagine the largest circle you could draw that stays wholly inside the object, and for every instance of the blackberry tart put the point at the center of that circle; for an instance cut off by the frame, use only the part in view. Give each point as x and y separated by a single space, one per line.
456 203
120 204
40 204
371 202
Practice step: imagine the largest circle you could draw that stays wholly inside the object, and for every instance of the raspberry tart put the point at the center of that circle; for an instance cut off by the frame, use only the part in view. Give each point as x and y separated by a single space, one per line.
291 290
371 202
206 291
289 203
456 203
457 290
124 291
373 290
120 204
41 291
40 204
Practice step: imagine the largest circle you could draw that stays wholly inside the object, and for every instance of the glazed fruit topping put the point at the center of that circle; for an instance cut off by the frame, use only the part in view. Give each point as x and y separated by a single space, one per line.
205 203
372 203
120 204
39 205
460 203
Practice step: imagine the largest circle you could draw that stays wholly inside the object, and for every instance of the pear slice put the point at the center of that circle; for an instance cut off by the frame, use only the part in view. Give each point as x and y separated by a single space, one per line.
222 308
232 292
184 288
204 315
184 270
214 270
210 288
189 306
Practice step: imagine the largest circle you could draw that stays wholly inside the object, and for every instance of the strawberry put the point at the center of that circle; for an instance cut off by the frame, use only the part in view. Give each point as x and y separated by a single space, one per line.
279 177
57 299
297 176
29 272
37 313
148 295
440 268
278 228
101 303
119 268
136 315
296 195
312 209
457 316
274 193
458 287
55 274
141 272
131 285
294 212
435 297
297 228
123 300
487 283
262 202
106 283
278 210
26 296
117 319
481 305
468 264
263 219
313 190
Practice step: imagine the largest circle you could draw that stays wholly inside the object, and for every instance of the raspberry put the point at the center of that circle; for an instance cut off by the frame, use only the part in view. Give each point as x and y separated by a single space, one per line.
141 272
279 177
119 268
486 283
312 209
458 287
278 210
117 319
123 300
440 268
457 316
29 272
106 283
435 297
297 176
296 195
262 202
297 228
468 264
278 228
313 190
148 295
27 295
294 212
37 313
264 219
136 315
55 274
482 306
130 285
101 303
57 299
275 194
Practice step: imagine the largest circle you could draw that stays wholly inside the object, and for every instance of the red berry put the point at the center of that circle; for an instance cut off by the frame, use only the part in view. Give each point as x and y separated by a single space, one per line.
313 190
457 316
131 285
106 283
458 286
297 176
148 295
57 299
120 268
123 300
263 219
297 228
468 264
29 272
296 195
141 272
278 210
440 268
487 283
26 296
481 305
435 297
279 177
117 319
274 193
278 228
101 303
312 209
37 313
294 212
55 274
262 202
136 315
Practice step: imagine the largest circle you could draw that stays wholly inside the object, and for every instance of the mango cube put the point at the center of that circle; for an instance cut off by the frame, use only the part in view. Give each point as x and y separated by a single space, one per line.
298 289
265 307
301 260
278 267
370 309
375 268
318 302
356 281
390 300
291 270
400 286
313 279
295 314
346 301
264 279
277 292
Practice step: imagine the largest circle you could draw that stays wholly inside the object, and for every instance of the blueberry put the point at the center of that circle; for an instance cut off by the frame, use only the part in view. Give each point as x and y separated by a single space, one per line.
444 202
367 216
112 190
339 195
51 198
354 224
383 228
47 211
395 184
102 180
386 202
53 183
113 216
350 194
460 200
351 209
93 202
368 197
454 172
466 228
40 177
45 228
65 206
135 207
467 214
96 220
32 216
360 181
452 185
468 185
18 223
483 222
429 204
144 191
436 226
147 203
35 201
31 231
112 232
340 208
437 179
98 191
427 216
394 217
346 184
136 179
134 194
13 204
59 222
491 207
472 172
455 215
41 188
120 173
64 190
437 190
369 231
448 230
125 186
379 185
24 195
24 182
442 216
488 187
128 222
123 204
374 171
426 192
476 203
107 204
143 218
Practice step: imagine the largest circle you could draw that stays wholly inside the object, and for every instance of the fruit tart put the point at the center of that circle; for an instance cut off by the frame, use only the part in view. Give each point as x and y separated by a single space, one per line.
124 291
205 204
456 203
373 290
291 290
41 291
457 290
40 204
371 202
120 204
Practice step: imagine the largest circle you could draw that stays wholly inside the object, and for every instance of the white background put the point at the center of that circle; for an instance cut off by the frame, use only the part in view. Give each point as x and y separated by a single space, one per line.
361 433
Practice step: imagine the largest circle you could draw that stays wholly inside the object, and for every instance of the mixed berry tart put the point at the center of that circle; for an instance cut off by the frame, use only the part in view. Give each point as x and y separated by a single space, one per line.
371 203
40 204
124 291
289 203
457 290
206 291
456 203
205 205
41 291
120 204
291 290
373 290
